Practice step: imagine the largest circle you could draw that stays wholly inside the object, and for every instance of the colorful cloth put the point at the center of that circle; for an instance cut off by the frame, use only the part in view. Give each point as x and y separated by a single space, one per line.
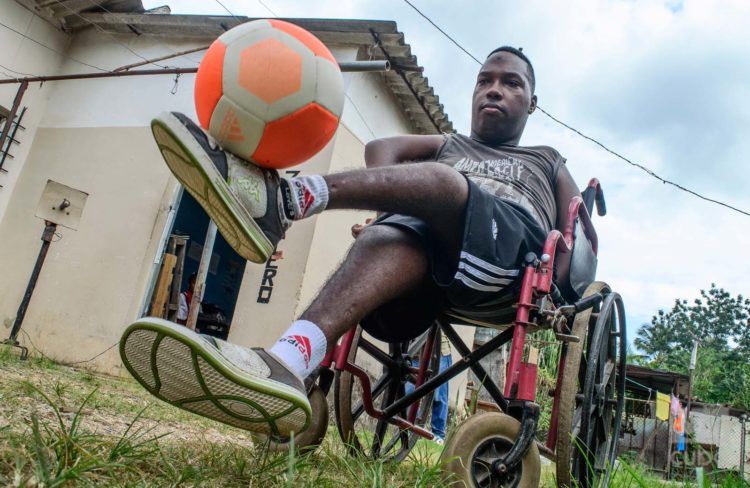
662 406
679 424
674 407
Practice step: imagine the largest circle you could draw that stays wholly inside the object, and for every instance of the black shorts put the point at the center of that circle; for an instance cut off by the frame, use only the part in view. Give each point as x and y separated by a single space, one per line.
497 236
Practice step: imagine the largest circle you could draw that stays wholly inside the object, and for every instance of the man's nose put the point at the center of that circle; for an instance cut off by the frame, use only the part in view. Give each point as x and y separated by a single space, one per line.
494 92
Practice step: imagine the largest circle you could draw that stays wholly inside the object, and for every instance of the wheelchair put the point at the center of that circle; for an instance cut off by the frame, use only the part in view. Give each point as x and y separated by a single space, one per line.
376 417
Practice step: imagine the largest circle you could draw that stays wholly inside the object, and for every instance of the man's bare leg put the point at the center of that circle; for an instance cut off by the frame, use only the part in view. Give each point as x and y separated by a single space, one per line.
432 192
384 262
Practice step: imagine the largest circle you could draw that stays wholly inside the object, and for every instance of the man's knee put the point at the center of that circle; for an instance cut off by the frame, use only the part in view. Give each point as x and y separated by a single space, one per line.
445 180
390 243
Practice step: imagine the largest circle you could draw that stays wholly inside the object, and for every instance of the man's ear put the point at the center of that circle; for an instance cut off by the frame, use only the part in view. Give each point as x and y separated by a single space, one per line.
532 105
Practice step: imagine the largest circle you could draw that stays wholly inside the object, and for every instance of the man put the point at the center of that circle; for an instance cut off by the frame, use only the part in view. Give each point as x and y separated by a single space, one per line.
454 232
186 298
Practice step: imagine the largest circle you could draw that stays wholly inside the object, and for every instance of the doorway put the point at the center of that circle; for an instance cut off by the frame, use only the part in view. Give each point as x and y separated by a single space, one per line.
181 260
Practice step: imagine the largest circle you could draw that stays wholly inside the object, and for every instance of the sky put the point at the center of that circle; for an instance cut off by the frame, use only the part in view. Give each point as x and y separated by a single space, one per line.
664 83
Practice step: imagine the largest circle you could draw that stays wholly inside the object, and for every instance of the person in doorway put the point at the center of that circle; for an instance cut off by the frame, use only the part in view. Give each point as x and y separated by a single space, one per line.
459 213
439 414
186 299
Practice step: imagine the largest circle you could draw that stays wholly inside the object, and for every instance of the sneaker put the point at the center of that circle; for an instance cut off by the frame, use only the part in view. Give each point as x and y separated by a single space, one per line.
243 200
438 440
245 388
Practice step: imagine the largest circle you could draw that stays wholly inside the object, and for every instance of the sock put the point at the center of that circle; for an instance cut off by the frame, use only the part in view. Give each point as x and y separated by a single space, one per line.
304 196
302 347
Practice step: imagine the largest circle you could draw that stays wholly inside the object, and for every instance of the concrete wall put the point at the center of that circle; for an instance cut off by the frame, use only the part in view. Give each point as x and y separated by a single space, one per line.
20 57
93 135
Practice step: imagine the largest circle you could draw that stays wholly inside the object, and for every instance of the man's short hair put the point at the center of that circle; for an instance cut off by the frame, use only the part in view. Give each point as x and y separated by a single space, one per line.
520 54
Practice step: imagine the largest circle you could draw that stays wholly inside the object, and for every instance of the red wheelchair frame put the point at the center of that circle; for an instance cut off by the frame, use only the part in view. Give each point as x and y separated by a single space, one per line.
539 301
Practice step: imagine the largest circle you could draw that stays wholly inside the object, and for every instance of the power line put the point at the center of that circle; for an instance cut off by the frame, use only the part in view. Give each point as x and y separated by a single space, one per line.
53 49
225 8
442 31
99 5
111 36
567 126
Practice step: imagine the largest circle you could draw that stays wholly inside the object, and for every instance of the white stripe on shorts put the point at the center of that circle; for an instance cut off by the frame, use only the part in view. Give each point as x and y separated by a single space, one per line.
473 284
487 266
471 270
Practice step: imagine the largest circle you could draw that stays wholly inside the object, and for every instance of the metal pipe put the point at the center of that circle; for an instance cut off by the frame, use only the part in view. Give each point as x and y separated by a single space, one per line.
160 58
49 232
347 67
363 66
200 279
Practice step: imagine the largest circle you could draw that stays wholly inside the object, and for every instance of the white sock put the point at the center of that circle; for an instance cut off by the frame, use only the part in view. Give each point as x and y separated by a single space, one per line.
302 347
309 195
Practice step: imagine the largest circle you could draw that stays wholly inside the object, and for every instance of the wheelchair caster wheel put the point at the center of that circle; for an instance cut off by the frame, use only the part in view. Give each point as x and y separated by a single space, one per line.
480 440
312 437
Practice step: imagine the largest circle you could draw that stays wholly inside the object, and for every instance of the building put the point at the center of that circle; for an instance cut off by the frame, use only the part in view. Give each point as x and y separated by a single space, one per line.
93 135
718 437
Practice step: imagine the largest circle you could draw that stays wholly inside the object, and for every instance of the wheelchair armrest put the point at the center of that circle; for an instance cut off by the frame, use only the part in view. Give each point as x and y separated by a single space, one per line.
577 213
564 241
593 194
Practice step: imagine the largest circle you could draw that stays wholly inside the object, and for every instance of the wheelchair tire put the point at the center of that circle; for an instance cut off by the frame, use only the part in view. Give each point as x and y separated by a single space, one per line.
586 444
364 435
311 438
479 440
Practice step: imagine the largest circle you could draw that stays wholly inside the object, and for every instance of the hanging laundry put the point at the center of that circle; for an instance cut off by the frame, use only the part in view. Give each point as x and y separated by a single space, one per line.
662 406
679 425
674 406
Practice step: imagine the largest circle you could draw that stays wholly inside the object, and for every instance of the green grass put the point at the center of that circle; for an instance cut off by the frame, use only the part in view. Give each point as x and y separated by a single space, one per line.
62 426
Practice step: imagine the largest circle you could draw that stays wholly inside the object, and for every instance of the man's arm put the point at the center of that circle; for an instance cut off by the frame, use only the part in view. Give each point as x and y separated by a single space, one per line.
395 150
565 189
401 149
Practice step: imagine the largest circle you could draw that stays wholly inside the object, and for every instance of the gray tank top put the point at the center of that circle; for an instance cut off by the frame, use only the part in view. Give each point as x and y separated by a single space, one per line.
522 175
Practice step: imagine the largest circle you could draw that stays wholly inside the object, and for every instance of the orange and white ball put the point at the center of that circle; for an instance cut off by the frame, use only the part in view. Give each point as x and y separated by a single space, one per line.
269 92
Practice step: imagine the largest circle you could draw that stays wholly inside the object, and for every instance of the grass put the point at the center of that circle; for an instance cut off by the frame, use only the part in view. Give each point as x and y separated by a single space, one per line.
62 426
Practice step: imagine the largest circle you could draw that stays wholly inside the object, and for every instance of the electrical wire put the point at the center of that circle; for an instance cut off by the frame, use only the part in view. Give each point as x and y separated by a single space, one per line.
569 127
28 338
99 5
54 50
111 36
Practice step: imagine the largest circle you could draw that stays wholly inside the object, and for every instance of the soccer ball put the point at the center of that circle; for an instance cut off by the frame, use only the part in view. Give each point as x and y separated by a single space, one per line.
269 92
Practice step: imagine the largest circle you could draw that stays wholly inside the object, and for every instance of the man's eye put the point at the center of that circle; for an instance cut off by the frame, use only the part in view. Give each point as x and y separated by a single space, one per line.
514 83
481 82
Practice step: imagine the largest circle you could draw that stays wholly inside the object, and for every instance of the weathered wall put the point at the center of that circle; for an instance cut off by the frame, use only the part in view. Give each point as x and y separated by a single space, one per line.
20 57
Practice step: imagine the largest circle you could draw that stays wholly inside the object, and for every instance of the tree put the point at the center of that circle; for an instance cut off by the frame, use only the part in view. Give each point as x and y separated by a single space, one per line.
721 324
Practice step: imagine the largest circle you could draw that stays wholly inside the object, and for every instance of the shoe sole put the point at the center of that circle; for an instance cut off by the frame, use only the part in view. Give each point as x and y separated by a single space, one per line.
177 366
197 173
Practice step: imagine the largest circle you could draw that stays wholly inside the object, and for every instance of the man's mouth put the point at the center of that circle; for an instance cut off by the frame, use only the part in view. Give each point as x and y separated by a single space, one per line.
491 108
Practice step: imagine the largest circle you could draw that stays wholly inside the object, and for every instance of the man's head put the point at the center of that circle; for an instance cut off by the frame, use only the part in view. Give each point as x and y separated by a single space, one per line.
191 281
503 97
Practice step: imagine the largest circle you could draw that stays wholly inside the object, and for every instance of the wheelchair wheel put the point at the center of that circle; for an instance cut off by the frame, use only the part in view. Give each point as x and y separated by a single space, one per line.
363 434
477 442
312 437
593 394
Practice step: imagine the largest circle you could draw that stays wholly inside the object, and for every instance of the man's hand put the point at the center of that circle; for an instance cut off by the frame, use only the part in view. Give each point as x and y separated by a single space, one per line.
358 228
